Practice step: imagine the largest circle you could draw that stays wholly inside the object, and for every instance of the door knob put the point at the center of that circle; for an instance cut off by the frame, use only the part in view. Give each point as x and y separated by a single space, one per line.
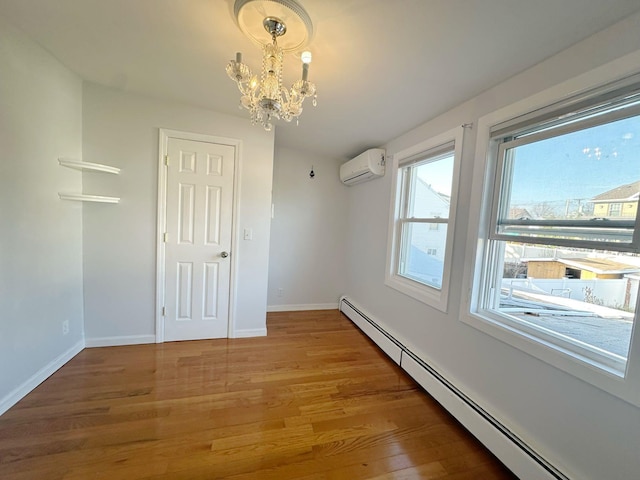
224 254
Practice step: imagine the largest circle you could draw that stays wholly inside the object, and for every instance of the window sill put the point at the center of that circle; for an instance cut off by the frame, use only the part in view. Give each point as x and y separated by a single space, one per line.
428 295
584 367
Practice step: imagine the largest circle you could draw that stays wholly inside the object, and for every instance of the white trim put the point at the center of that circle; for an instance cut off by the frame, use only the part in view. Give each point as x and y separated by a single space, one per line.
161 222
249 333
40 376
302 307
502 446
119 341
627 389
437 298
235 238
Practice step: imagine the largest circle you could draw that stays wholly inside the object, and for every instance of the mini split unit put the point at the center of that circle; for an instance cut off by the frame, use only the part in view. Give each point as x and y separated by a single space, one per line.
366 166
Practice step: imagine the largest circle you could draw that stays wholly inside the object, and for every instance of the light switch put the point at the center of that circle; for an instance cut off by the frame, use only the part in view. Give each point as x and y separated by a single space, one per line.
248 234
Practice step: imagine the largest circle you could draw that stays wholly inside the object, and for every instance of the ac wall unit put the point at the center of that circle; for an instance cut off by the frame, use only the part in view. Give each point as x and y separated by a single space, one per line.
366 166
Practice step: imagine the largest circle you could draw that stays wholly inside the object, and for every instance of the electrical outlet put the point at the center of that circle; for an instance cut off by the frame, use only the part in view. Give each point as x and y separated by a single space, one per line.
280 292
65 327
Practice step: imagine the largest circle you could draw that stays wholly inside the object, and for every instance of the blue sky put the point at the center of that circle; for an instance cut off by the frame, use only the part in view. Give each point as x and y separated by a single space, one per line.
438 174
579 165
594 160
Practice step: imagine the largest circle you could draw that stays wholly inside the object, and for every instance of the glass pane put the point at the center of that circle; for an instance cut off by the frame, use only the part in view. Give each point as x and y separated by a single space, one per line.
582 296
431 188
581 182
424 250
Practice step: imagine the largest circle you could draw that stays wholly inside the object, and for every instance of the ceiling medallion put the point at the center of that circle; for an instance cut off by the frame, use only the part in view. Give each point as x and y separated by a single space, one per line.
266 22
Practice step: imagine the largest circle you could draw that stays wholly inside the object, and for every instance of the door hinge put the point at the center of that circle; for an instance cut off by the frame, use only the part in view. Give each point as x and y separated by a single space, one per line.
166 160
165 237
163 311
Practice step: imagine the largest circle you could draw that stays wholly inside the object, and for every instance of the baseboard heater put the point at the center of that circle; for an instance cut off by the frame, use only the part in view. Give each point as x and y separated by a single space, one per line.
502 442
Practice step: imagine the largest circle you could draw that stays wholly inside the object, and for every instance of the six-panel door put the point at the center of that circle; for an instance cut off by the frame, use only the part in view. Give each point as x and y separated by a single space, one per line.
198 243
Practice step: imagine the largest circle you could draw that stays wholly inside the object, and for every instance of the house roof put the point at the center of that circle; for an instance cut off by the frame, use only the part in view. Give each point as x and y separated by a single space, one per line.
595 265
629 191
520 213
446 199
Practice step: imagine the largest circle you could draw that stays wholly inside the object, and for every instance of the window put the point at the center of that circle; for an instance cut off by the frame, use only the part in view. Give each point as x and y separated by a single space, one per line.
421 226
559 265
425 196
615 209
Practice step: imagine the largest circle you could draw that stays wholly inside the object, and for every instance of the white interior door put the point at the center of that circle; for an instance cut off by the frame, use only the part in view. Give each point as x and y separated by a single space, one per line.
198 239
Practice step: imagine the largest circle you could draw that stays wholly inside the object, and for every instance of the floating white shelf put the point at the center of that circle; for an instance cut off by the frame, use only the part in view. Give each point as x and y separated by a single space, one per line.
81 197
96 167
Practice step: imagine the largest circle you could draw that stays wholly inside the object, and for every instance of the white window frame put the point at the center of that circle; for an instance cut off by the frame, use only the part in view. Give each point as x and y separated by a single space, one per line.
485 170
435 297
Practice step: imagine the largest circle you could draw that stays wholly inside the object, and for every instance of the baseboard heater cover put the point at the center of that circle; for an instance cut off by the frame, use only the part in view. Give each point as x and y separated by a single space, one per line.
386 342
477 420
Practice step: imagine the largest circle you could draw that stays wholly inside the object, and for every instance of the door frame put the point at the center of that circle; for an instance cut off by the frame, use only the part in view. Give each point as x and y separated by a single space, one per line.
161 224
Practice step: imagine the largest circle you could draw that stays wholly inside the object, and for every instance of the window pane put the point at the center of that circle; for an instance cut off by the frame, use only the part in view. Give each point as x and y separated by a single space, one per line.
584 297
580 185
431 189
424 250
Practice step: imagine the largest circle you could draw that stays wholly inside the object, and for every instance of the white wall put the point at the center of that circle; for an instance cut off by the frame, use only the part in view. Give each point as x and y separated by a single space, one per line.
308 232
582 430
122 129
41 239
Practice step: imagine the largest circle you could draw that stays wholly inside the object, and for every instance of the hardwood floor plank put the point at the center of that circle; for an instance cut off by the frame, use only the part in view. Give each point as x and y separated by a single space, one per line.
429 470
314 400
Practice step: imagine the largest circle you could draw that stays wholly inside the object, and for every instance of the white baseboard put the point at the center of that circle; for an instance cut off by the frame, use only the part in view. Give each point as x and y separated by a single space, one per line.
302 308
119 341
248 333
520 458
40 376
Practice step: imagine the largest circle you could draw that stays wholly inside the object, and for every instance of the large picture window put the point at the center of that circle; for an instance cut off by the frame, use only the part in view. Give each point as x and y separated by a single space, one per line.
560 263
421 229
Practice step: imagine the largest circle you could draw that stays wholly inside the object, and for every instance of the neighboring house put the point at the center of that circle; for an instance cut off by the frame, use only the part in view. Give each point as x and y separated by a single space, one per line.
428 203
425 267
520 213
621 201
582 268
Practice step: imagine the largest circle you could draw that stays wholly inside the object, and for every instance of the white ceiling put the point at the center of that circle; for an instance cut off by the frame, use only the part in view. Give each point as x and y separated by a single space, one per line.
381 67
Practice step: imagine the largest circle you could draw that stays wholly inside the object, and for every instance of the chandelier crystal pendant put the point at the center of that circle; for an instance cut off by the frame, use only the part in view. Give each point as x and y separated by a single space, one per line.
265 97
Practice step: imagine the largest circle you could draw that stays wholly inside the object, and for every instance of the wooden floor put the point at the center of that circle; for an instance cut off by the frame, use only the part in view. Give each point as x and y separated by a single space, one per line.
314 400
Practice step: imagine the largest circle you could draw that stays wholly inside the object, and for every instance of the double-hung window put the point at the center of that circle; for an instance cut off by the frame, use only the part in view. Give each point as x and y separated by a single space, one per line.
421 226
560 264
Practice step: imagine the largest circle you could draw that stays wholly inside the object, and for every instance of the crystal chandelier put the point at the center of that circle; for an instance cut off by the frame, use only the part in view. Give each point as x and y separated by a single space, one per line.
265 97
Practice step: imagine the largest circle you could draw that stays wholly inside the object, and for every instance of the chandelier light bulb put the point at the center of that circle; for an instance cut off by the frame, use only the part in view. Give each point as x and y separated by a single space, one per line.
306 57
